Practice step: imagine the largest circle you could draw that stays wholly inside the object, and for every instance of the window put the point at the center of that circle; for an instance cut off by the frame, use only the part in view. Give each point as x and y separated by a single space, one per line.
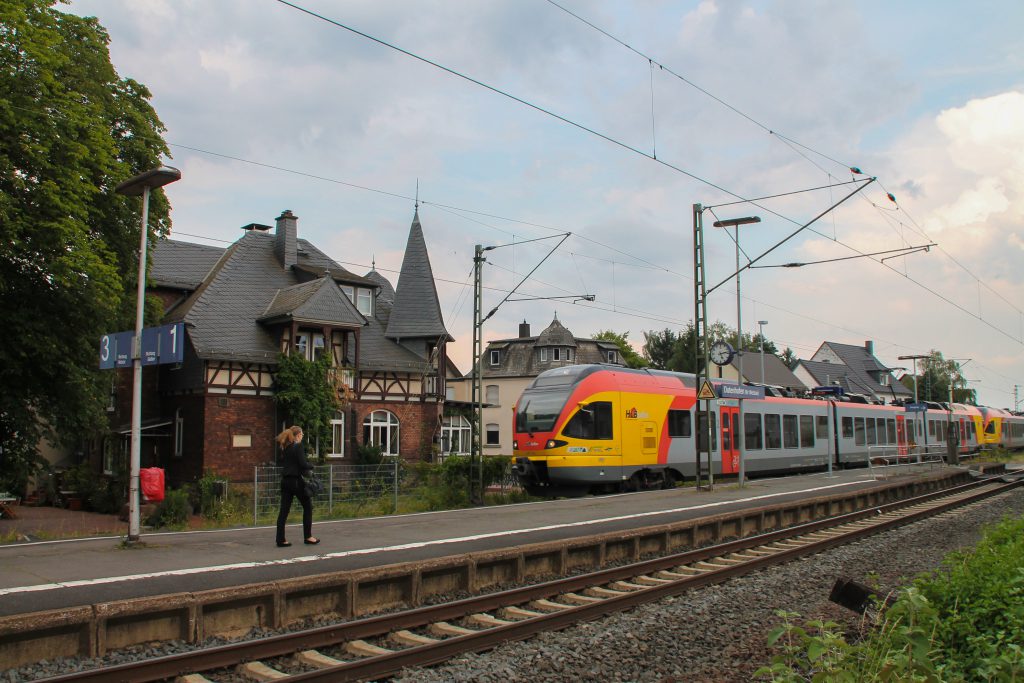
449 393
179 433
592 421
318 346
931 427
702 443
806 431
772 431
790 432
679 423
337 446
752 431
495 357
492 394
872 438
890 430
611 357
350 292
456 435
108 455
492 435
555 354
822 427
858 438
568 354
364 301
302 344
543 355
847 427
380 429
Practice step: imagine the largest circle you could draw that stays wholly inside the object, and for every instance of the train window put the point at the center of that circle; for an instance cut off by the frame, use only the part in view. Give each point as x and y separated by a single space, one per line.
890 430
592 421
679 423
806 431
931 427
858 431
847 427
790 432
702 443
872 438
772 431
822 426
752 429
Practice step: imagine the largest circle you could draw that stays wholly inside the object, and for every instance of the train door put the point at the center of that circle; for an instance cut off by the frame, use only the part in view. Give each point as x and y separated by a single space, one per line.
901 435
729 417
964 446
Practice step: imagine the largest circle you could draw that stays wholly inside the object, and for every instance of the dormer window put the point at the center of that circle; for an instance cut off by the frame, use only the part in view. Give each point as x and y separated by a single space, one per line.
611 357
361 298
543 355
556 354
495 357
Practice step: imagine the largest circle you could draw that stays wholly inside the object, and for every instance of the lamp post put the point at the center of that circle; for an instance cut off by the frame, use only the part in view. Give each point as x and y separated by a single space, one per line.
141 184
760 333
736 223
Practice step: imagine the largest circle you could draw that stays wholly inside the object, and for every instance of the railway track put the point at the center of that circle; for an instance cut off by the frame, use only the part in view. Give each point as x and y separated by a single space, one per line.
375 647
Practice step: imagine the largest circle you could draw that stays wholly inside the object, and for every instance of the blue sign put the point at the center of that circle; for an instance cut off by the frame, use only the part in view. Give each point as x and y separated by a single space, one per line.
160 345
826 391
916 407
739 391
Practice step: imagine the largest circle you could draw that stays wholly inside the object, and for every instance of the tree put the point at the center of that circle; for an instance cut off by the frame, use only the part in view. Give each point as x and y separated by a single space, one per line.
933 382
788 357
677 351
631 357
70 130
307 392
658 348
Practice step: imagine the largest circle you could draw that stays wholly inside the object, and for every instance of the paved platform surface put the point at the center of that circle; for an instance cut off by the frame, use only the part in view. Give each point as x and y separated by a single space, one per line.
57 574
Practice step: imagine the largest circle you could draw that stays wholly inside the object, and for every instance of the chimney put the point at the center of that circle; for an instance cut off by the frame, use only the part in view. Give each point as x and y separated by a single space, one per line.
869 346
524 330
286 247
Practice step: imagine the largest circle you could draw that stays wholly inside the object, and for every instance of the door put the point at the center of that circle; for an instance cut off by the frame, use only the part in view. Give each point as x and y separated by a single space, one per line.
901 435
729 419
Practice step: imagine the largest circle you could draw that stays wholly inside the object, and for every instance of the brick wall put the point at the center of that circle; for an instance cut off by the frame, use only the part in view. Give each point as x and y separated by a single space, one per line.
227 417
419 425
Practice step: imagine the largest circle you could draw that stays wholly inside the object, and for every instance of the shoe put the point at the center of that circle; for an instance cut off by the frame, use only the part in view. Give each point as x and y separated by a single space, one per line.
311 541
283 544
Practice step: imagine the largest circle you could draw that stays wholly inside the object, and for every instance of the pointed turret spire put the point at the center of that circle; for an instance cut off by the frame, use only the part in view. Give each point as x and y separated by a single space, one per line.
417 311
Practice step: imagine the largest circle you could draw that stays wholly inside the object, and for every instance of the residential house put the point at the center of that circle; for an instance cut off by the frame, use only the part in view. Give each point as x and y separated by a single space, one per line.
269 293
855 369
508 367
776 374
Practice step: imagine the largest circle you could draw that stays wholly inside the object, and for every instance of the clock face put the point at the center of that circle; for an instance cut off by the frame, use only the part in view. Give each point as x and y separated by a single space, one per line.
721 353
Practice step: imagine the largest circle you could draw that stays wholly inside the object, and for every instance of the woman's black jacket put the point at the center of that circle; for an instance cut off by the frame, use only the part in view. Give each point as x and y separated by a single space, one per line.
293 460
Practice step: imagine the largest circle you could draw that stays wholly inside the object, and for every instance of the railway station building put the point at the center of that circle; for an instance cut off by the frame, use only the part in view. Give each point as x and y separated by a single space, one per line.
271 293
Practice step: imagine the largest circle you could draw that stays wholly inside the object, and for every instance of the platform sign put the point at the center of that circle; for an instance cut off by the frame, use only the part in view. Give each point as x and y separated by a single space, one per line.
916 407
707 392
740 391
160 345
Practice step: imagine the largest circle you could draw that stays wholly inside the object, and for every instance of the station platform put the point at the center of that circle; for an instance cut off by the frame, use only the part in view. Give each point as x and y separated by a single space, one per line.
50 575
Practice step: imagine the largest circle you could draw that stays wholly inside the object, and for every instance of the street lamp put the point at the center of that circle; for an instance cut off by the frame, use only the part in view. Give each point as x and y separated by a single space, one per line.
760 333
736 223
141 184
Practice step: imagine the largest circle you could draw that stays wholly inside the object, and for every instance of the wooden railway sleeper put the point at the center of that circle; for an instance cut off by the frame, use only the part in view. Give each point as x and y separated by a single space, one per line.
317 659
361 648
577 599
407 638
445 630
627 586
645 580
601 592
548 605
258 671
518 613
483 619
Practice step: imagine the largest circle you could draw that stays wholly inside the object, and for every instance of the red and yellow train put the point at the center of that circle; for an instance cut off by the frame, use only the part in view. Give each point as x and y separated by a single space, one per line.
592 428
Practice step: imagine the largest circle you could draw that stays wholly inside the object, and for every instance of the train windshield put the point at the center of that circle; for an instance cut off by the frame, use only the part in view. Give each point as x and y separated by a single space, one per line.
538 411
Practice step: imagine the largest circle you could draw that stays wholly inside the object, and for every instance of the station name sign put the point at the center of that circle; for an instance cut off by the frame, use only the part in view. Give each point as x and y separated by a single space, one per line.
916 407
160 345
739 391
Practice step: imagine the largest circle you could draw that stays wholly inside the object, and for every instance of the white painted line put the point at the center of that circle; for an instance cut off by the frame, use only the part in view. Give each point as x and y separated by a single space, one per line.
391 548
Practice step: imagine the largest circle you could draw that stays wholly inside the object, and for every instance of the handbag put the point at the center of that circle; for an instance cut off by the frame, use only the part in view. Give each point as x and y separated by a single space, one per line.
312 486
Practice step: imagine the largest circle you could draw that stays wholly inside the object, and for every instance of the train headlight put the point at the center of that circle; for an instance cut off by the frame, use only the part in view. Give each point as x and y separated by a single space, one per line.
555 443
515 444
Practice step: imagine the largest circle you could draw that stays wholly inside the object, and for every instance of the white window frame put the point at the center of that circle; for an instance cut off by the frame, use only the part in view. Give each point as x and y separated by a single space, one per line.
318 345
543 355
381 428
457 435
612 357
337 449
302 344
556 354
492 389
350 292
495 429
495 357
364 301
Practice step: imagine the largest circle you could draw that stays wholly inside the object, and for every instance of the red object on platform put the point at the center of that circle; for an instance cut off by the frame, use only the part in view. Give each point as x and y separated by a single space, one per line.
152 481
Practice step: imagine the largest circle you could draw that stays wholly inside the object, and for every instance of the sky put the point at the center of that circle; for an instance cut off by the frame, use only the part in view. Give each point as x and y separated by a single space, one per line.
517 121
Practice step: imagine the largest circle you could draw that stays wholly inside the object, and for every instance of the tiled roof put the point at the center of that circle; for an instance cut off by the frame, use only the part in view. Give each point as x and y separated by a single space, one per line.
182 265
835 374
416 312
519 357
861 364
314 301
775 371
556 335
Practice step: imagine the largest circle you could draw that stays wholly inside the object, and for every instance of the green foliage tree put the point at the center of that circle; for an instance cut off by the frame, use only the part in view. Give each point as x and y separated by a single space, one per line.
629 355
306 392
934 378
71 129
788 357
658 348
677 351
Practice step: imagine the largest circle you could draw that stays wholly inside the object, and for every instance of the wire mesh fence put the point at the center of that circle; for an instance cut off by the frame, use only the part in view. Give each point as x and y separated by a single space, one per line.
347 490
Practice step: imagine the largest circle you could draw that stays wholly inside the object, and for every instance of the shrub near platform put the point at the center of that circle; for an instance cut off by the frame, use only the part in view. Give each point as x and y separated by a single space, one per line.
962 622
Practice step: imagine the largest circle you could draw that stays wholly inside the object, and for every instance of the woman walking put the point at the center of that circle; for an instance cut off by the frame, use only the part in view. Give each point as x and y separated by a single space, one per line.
293 464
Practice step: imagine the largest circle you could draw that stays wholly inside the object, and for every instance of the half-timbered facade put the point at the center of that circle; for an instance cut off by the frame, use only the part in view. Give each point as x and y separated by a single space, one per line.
270 293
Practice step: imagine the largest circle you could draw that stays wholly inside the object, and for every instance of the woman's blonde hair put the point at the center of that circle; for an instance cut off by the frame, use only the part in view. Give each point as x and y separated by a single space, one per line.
289 436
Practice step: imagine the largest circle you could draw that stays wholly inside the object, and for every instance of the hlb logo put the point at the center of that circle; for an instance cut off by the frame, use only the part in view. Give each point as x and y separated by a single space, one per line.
631 414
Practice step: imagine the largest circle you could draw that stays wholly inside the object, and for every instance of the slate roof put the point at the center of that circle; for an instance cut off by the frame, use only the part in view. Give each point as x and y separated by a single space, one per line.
181 265
861 364
416 312
836 374
316 301
386 293
519 357
775 371
556 335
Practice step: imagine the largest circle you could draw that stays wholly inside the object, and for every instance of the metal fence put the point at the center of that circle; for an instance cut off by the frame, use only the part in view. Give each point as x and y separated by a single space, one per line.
347 488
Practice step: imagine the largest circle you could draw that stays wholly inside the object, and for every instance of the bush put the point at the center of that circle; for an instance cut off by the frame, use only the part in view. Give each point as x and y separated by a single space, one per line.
174 511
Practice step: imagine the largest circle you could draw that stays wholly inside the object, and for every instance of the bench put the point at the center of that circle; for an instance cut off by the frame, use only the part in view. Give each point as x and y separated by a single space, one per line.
6 501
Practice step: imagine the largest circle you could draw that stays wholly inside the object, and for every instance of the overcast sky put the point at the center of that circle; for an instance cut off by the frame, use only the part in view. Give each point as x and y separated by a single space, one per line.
269 108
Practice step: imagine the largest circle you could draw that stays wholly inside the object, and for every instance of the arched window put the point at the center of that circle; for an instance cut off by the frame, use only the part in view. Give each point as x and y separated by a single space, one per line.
380 429
456 435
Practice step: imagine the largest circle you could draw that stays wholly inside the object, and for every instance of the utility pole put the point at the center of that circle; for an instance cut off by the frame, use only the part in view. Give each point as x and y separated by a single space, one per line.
924 413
